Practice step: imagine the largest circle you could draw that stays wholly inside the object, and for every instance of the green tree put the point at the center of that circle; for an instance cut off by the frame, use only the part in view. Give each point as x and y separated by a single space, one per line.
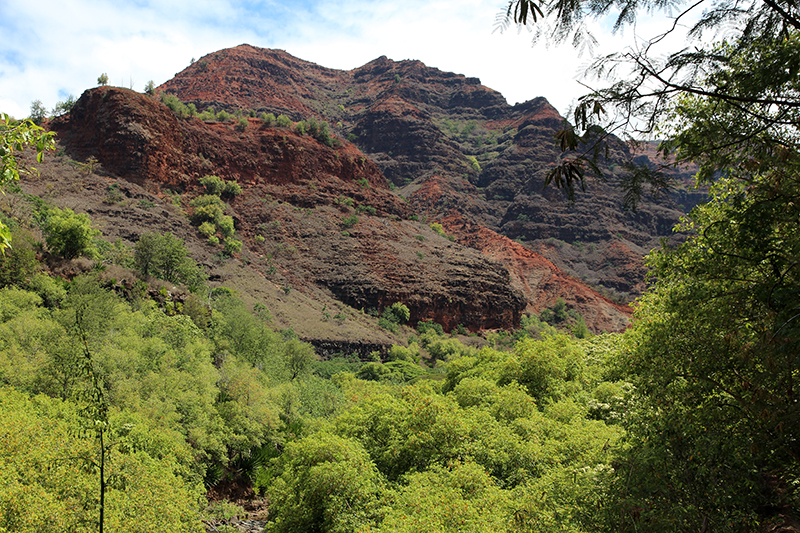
323 483
38 112
213 184
102 79
69 234
713 351
64 106
14 137
299 357
19 264
166 257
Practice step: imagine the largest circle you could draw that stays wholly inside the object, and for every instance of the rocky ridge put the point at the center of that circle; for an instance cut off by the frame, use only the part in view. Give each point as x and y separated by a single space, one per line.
419 123
350 224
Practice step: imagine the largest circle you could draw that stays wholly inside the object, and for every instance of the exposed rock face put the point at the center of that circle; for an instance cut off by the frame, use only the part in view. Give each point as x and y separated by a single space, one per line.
419 123
454 148
298 192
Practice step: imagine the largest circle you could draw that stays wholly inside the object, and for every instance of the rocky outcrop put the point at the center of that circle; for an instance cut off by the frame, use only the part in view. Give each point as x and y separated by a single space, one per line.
456 152
325 213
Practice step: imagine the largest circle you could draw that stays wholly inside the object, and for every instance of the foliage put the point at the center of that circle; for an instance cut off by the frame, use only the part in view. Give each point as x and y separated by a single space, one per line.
14 137
646 81
424 326
232 398
38 112
18 264
166 257
102 79
323 483
210 209
213 184
64 106
69 234
217 186
393 316
713 347
267 118
47 469
439 229
558 315
461 498
298 356
349 221
176 106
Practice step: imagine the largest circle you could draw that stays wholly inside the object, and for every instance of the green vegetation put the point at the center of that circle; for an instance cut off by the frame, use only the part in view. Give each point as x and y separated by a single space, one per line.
176 106
393 316
217 186
209 212
349 221
69 234
439 229
319 130
14 137
366 209
165 257
123 402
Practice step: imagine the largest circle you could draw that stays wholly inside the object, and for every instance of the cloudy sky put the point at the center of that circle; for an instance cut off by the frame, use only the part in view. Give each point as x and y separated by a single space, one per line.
54 48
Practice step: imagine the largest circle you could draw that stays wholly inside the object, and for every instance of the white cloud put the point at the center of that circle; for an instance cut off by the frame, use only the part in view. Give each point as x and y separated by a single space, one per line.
53 48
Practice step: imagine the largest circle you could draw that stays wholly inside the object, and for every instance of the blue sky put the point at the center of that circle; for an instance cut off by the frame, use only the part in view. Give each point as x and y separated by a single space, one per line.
54 48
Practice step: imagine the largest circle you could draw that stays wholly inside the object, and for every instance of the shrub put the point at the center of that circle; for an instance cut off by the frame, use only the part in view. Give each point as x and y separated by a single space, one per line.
267 118
207 229
324 483
242 124
397 313
225 225
175 105
231 188
208 207
69 234
232 245
213 184
385 323
283 121
401 353
424 326
166 257
350 221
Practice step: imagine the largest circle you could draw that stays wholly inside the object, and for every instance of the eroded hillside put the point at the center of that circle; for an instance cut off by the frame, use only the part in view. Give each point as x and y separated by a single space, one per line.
347 222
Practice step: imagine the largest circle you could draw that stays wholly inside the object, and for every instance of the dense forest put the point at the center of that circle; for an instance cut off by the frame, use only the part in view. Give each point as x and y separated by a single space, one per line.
139 395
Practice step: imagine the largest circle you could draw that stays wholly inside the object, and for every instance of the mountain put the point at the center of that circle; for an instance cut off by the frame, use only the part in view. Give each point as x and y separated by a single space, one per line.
346 226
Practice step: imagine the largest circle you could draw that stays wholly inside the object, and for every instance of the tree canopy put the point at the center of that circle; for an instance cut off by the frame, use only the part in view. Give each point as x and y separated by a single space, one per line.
14 137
